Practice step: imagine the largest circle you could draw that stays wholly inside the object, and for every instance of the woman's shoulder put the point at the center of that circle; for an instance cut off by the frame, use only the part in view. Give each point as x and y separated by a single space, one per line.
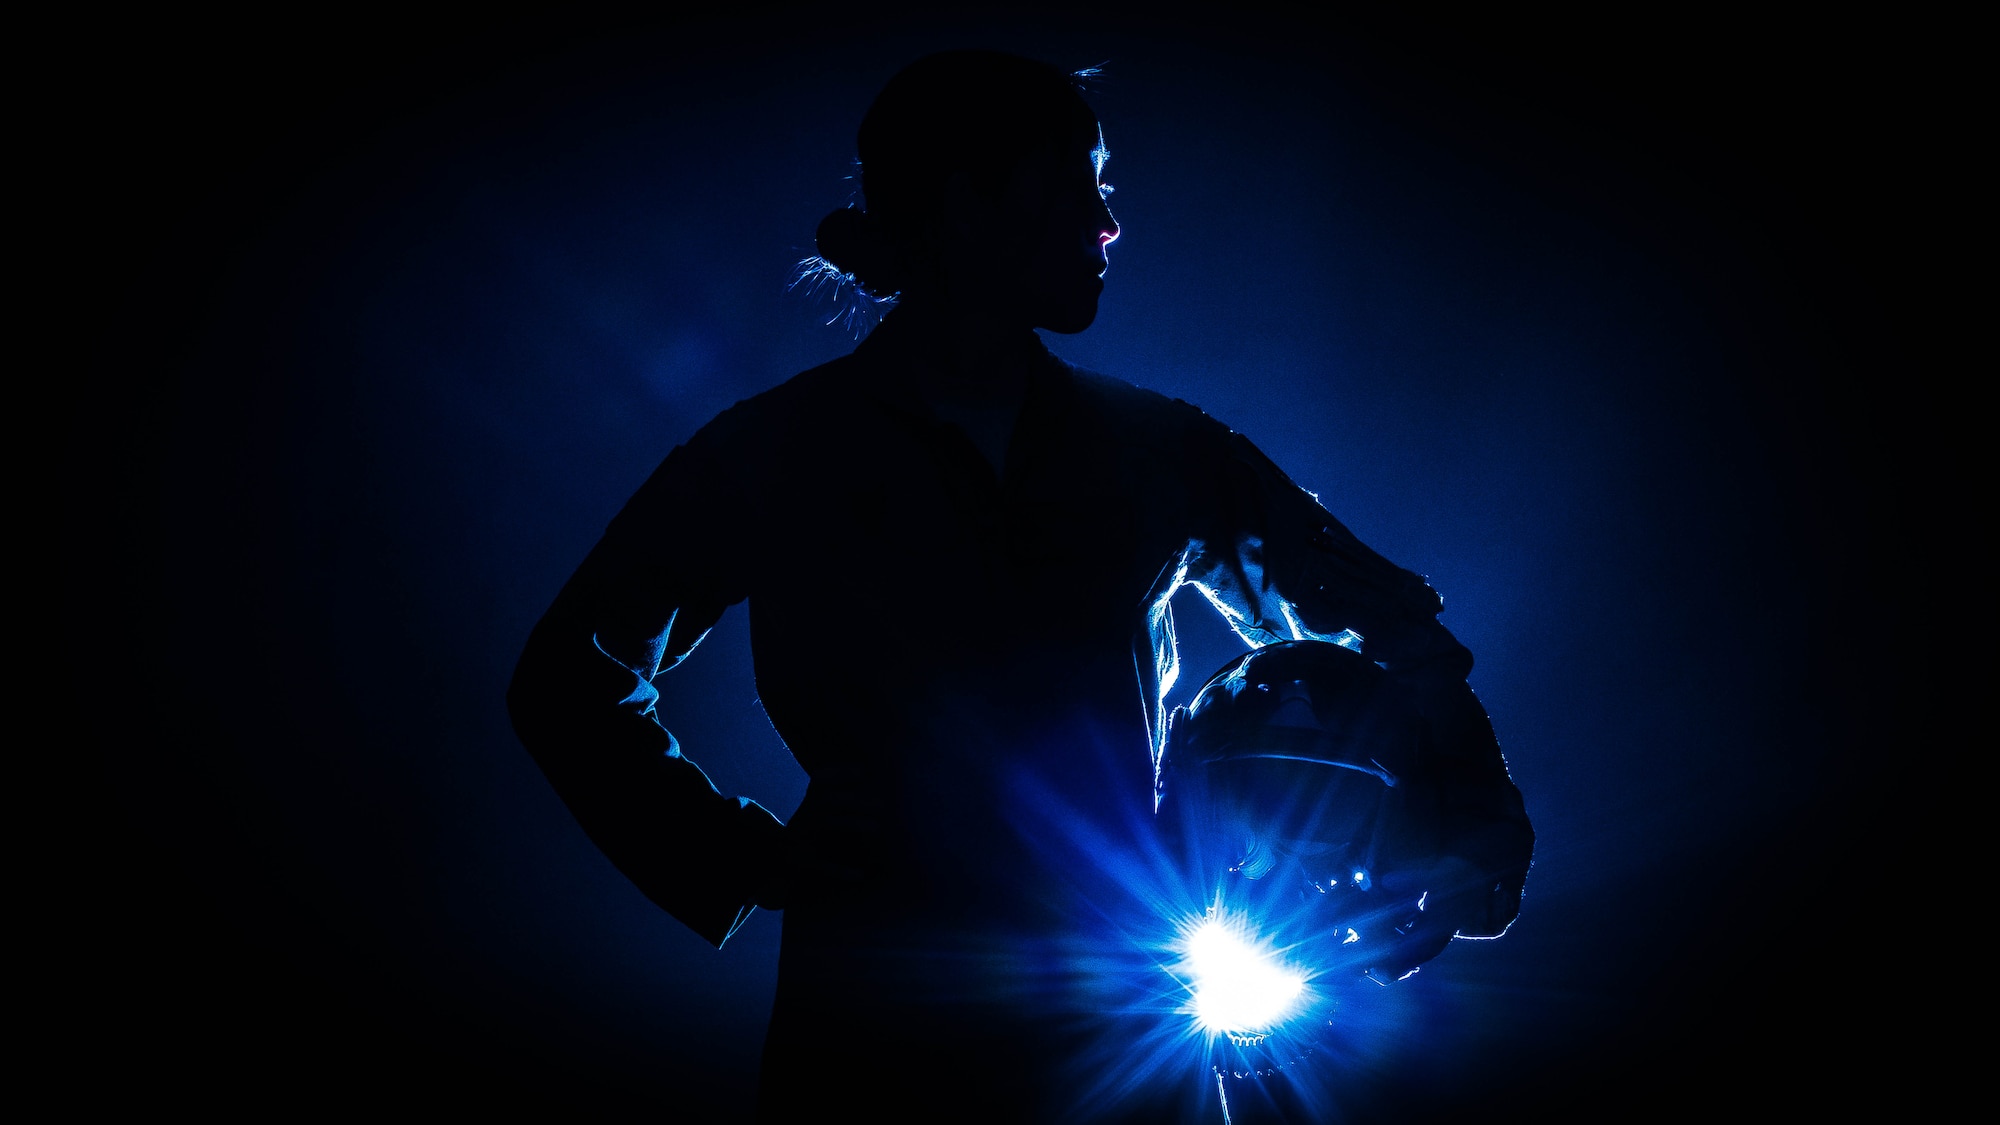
1145 415
807 403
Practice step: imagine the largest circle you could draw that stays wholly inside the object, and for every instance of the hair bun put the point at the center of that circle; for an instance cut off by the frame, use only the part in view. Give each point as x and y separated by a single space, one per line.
852 243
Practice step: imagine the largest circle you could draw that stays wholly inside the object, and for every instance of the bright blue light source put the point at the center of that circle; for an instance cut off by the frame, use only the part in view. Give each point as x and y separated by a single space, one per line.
1237 986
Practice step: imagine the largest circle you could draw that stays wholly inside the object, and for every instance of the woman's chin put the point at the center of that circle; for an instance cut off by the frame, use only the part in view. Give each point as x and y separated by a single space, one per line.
1071 316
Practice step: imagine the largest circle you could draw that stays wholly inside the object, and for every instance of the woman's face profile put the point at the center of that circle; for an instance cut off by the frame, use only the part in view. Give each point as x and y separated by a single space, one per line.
1038 249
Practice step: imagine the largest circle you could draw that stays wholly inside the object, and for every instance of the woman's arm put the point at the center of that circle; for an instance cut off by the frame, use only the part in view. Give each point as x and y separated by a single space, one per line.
1285 569
582 698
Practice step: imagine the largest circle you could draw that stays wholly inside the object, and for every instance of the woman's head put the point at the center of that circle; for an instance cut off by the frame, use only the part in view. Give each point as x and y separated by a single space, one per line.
979 175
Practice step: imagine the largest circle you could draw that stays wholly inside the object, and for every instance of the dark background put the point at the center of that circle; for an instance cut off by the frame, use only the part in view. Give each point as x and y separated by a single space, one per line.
1601 325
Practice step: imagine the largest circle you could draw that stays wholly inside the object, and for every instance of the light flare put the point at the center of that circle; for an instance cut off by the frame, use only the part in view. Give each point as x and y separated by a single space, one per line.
1238 987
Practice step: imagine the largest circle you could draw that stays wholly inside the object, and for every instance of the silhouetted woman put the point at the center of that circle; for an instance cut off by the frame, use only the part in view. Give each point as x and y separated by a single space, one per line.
957 551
